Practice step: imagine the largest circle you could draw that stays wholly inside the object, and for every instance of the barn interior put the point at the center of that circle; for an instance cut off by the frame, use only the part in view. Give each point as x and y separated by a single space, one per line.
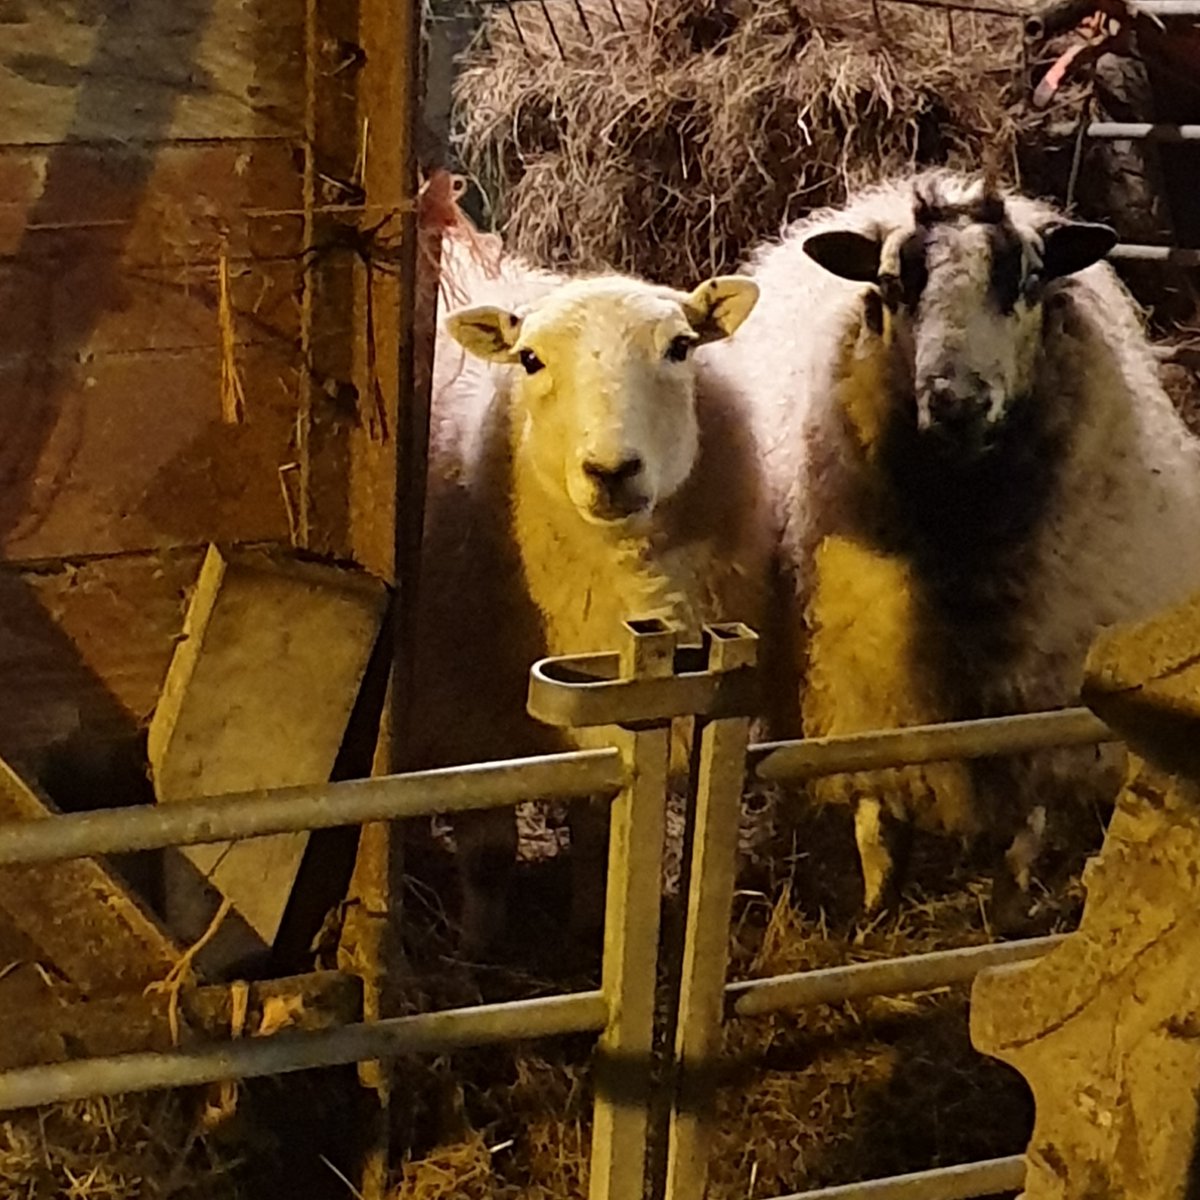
221 219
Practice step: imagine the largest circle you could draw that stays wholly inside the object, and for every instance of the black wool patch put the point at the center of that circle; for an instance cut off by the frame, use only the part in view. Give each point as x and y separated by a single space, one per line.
1007 276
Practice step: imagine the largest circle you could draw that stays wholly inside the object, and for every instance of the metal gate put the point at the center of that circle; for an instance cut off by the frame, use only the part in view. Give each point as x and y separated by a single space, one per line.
639 690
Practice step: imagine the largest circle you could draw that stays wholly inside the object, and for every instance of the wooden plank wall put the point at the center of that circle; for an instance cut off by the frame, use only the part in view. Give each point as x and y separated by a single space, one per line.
142 146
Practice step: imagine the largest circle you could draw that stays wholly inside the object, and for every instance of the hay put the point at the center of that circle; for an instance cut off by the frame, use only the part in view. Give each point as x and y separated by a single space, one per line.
826 1096
672 146
115 1148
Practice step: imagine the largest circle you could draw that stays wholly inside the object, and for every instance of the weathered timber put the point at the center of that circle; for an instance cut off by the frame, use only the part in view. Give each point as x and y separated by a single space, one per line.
86 926
35 1035
258 695
1106 1028
193 69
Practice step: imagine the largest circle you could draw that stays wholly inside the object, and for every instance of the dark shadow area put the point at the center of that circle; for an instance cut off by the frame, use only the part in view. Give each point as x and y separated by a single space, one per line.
323 879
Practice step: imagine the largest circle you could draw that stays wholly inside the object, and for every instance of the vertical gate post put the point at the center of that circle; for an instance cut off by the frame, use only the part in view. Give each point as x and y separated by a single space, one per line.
711 881
631 929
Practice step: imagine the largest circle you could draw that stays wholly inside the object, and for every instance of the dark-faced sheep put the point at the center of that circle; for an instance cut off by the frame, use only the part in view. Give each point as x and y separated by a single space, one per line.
978 469
588 465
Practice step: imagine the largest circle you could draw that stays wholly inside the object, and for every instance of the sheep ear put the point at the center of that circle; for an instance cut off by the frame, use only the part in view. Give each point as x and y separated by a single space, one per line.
485 331
1072 245
846 253
719 305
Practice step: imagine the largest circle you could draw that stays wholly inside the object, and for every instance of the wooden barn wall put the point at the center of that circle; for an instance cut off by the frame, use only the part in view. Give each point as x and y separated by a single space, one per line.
142 144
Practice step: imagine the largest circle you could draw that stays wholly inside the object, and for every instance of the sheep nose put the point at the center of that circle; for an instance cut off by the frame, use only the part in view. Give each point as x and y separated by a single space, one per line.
614 484
613 479
948 403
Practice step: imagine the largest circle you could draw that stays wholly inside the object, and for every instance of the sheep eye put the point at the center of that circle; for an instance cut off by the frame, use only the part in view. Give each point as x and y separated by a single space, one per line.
530 362
679 348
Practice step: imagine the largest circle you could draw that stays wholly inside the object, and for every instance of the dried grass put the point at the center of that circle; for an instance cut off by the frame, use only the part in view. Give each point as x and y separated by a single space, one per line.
114 1148
671 147
826 1096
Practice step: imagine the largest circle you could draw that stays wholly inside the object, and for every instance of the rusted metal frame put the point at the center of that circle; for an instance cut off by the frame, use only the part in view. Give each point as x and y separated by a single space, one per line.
1143 131
553 1016
1134 252
288 810
623 1079
964 1182
711 878
887 977
811 758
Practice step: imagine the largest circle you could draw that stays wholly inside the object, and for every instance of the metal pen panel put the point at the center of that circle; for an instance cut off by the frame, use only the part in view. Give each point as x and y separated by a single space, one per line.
287 810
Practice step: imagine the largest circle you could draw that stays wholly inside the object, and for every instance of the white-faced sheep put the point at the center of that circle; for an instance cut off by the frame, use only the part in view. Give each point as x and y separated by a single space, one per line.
978 469
588 465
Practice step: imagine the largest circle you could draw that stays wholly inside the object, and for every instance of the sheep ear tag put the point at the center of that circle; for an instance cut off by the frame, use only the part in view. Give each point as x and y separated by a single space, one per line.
719 305
486 331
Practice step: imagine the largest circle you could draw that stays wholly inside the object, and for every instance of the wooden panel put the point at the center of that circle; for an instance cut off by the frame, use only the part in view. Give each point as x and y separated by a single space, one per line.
144 69
134 454
83 921
112 437
152 205
41 1033
258 695
84 647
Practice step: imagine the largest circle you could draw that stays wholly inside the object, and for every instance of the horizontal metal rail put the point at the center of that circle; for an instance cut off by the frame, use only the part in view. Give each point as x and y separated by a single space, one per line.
579 773
811 758
584 1012
1166 8
942 1183
1143 131
1135 252
887 977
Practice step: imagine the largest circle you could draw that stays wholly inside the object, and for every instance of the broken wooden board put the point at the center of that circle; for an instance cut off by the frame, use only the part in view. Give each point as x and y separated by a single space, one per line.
1106 1028
258 696
85 925
54 1032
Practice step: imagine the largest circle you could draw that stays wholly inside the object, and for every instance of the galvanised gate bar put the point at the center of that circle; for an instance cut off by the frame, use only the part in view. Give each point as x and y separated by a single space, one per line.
639 691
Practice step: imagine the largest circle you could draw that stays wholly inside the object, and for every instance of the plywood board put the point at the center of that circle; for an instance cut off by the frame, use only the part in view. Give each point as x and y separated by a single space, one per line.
258 696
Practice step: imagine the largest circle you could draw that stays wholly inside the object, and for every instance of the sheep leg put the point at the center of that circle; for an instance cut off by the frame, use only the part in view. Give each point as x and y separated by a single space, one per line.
588 822
884 842
487 851
1010 883
1026 848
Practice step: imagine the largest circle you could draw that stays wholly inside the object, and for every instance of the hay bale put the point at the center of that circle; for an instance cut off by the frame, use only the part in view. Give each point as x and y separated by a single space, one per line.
668 138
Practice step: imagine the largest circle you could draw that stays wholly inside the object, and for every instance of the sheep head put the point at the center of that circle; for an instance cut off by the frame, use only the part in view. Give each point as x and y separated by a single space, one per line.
957 297
605 380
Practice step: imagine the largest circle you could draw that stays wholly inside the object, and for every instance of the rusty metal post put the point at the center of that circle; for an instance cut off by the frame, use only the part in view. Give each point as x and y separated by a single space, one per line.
631 928
709 912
